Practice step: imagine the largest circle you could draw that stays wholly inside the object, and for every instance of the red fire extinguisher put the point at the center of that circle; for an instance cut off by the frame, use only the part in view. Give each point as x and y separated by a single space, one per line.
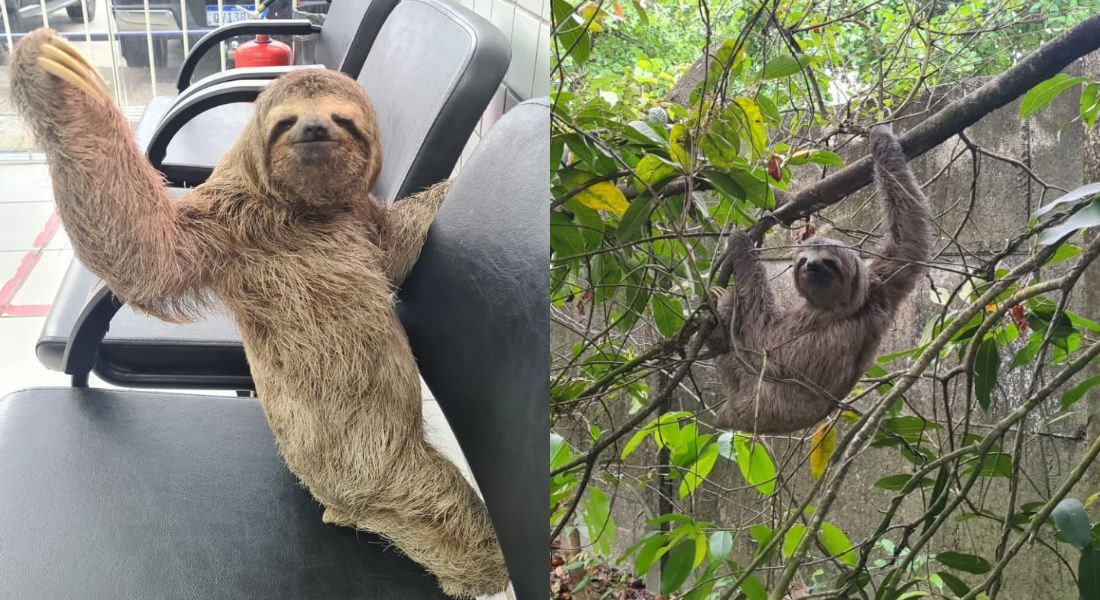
262 52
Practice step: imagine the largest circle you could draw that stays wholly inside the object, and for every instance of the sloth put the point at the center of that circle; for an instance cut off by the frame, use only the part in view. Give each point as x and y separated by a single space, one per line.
784 369
286 235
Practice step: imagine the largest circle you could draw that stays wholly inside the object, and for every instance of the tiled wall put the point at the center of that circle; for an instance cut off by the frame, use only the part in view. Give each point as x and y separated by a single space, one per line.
526 24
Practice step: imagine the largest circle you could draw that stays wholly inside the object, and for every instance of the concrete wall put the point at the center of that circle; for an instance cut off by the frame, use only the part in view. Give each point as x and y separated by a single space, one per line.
1053 144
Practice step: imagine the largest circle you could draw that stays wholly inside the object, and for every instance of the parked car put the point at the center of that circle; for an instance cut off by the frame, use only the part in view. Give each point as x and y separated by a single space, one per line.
166 21
24 15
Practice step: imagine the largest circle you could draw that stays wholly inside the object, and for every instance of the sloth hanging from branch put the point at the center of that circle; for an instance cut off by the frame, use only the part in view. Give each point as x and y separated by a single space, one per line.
785 369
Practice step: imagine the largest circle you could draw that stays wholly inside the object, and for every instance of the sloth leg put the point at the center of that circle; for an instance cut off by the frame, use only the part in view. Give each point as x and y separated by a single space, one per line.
334 517
426 508
718 340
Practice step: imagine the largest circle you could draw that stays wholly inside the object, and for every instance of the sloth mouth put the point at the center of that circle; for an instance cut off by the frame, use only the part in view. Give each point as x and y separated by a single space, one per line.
318 142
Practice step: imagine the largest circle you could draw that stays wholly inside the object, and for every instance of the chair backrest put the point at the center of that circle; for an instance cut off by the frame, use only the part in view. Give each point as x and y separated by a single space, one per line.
350 28
475 308
431 73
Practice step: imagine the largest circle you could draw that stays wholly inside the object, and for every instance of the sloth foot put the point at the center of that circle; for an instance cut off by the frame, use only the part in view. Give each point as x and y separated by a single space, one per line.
60 59
334 518
722 303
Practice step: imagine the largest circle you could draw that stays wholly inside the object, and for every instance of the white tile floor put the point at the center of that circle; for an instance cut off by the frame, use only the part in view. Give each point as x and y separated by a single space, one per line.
32 264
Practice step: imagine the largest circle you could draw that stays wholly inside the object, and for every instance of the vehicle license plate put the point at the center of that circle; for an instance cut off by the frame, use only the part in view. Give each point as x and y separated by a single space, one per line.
231 13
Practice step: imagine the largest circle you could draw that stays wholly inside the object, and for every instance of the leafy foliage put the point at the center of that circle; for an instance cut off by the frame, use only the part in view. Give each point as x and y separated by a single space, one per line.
674 123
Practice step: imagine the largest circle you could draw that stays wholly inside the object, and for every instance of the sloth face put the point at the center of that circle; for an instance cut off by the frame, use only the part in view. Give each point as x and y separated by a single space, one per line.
829 274
319 138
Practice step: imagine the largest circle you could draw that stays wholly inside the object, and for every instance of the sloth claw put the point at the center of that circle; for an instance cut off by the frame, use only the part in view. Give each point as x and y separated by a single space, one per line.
66 63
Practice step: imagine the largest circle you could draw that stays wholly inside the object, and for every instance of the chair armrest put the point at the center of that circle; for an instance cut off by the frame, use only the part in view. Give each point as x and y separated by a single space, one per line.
88 332
241 73
208 41
244 90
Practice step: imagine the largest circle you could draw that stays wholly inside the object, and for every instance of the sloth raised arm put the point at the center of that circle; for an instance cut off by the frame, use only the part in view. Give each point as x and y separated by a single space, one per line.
154 254
896 264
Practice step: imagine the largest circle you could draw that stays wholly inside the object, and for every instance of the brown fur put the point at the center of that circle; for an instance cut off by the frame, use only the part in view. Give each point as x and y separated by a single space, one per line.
288 237
782 370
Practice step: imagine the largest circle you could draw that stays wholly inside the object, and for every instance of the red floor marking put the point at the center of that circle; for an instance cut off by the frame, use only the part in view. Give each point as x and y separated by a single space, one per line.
27 310
23 272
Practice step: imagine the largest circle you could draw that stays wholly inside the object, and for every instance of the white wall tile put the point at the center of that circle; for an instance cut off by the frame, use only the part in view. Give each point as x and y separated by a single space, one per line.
484 8
541 82
525 44
532 6
503 12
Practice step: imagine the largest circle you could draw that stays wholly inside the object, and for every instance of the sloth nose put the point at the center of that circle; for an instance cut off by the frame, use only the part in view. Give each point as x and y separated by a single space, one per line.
313 130
812 266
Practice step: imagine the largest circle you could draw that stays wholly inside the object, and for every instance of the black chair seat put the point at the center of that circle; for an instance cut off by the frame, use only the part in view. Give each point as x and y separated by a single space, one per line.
121 494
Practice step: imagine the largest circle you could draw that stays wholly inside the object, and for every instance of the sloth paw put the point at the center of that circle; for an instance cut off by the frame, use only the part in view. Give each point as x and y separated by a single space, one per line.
334 518
58 58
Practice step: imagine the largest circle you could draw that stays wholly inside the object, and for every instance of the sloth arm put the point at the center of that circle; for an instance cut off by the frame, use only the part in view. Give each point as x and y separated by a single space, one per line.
154 254
896 268
407 223
755 306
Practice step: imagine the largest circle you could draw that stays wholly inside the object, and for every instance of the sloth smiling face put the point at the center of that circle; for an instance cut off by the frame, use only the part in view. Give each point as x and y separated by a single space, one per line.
319 137
830 275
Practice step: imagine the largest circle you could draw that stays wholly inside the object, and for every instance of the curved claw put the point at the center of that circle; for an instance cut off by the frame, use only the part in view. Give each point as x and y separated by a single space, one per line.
65 62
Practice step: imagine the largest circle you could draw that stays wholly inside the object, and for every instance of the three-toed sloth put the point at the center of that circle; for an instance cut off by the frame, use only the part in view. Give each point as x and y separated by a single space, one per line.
286 234
784 369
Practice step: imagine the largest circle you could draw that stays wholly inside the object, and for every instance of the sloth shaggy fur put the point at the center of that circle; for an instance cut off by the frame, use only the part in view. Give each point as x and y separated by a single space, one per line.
784 369
286 235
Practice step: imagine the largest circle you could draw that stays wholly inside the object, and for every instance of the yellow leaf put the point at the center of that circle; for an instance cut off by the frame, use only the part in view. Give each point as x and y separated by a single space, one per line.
677 145
822 445
604 196
1092 499
753 121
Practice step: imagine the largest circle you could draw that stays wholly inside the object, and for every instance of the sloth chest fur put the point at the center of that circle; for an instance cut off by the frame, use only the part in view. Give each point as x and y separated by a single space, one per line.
327 352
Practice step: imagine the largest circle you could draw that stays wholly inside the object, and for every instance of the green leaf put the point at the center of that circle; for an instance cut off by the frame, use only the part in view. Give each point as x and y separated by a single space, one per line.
895 483
644 134
654 170
837 543
753 589
570 37
598 521
721 544
1065 251
793 538
782 66
668 314
698 472
726 184
632 225
953 583
755 464
1090 103
1088 574
969 563
653 549
986 362
565 238
720 144
677 567
938 499
1072 522
1045 93
1078 391
996 464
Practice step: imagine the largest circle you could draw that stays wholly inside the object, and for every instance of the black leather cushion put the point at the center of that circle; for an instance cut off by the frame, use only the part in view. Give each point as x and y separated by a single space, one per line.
135 495
475 309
